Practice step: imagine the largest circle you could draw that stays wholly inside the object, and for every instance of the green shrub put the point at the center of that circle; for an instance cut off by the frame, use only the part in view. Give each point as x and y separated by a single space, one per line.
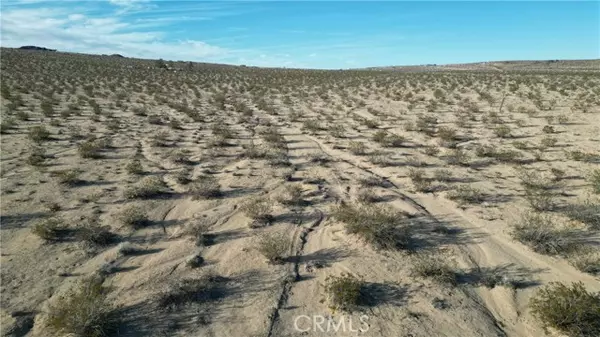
91 149
93 233
68 177
273 246
466 195
585 259
134 167
84 311
344 292
503 131
570 309
588 213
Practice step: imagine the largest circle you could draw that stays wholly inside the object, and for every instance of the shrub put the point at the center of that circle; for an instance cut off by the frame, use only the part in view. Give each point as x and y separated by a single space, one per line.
434 266
84 311
204 289
93 233
49 229
344 292
292 195
420 182
458 157
148 187
38 134
466 195
194 260
134 217
586 259
442 175
377 225
587 213
37 156
502 131
539 233
273 246
357 148
199 231
68 177
594 179
134 167
259 209
366 196
7 124
91 149
205 187
570 309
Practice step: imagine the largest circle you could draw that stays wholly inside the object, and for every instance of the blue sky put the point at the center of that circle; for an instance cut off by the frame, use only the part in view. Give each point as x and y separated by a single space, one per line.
309 34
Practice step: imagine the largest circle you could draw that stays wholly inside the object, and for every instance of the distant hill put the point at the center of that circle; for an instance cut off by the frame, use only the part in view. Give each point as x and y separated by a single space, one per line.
36 48
547 65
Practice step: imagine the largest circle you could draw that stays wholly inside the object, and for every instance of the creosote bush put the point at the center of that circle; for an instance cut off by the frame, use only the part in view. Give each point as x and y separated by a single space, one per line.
134 217
570 309
84 311
146 188
205 187
49 229
539 232
435 267
344 292
273 246
259 209
39 134
381 226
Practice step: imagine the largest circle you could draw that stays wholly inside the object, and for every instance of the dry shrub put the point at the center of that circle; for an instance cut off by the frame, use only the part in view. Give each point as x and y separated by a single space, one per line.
148 187
134 217
205 187
259 209
343 292
570 309
273 246
434 266
83 311
539 232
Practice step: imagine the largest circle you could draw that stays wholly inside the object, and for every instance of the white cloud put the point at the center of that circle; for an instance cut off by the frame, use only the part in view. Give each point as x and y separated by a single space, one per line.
65 30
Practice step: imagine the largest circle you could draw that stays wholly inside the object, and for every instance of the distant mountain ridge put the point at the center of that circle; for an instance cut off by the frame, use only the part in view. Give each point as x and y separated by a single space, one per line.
36 48
571 65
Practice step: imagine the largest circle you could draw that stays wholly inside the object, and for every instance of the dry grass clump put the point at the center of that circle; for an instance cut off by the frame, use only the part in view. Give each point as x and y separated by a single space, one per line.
83 311
94 234
357 148
37 156
344 292
146 188
436 267
134 217
91 149
587 212
539 232
570 309
366 195
273 247
199 231
594 179
378 225
585 259
419 180
205 187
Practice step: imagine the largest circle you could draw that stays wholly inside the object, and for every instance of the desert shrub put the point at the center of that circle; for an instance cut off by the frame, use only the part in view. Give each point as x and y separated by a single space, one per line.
38 134
585 259
442 175
291 195
259 209
312 125
540 200
380 158
68 177
37 156
557 174
357 148
273 246
343 292
199 231
337 131
448 136
160 139
372 182
539 232
134 217
435 267
91 149
432 150
419 180
134 167
503 131
93 233
371 123
146 188
366 196
377 225
205 187
548 129
380 136
182 177
83 311
570 309
594 179
7 124
194 260
548 142
179 157
458 157
587 212
466 195
127 248
204 289
393 140
49 229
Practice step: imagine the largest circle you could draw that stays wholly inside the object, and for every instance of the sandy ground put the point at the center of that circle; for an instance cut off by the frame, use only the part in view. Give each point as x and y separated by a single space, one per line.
259 298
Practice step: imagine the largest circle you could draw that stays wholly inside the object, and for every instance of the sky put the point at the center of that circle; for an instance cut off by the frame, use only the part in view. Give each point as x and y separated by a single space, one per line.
309 34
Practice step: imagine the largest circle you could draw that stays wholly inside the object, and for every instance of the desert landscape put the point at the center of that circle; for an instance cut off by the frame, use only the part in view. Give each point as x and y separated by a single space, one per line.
159 198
